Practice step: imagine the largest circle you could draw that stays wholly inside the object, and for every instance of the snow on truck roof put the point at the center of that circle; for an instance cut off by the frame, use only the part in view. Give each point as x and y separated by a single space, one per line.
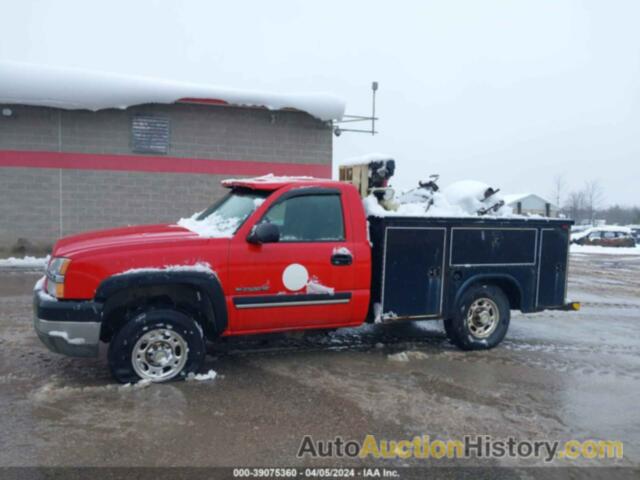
73 89
273 182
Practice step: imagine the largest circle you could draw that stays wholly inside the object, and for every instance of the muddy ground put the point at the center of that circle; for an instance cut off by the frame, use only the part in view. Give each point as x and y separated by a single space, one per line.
558 375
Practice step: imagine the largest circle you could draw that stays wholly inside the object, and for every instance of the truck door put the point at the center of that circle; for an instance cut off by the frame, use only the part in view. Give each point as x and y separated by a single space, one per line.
413 271
552 275
305 279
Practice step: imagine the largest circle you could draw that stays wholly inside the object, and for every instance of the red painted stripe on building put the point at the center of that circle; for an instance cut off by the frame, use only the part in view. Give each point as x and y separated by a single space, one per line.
139 163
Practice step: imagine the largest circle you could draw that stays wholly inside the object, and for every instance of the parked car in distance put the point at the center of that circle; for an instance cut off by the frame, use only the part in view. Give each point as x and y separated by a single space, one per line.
606 236
635 232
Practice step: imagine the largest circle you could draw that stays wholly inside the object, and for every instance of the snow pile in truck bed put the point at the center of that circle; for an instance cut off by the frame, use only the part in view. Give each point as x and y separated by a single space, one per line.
460 199
72 88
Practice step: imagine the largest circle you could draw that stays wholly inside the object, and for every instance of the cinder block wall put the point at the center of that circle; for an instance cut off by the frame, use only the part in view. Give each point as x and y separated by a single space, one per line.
39 205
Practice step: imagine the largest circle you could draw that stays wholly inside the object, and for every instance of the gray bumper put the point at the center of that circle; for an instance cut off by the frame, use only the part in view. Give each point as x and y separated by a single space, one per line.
68 327
76 339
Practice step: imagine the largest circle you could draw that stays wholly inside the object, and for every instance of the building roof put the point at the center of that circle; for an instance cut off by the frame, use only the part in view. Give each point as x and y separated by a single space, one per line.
513 198
71 88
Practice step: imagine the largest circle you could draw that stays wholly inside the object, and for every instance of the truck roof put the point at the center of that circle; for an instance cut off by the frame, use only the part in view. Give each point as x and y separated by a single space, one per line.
271 182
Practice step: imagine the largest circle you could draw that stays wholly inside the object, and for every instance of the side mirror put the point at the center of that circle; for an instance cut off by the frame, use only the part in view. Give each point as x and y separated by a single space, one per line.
264 233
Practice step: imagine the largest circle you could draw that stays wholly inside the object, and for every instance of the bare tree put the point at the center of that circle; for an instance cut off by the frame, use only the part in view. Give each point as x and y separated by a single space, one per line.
593 197
575 205
558 187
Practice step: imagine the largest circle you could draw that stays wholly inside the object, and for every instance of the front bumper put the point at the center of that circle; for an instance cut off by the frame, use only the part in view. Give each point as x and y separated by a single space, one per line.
67 327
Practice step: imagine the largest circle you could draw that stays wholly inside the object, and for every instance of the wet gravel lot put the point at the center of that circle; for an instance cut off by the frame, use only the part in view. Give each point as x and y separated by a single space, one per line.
558 375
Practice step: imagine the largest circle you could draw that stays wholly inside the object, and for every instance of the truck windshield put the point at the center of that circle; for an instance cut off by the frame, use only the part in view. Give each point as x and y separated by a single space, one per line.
225 217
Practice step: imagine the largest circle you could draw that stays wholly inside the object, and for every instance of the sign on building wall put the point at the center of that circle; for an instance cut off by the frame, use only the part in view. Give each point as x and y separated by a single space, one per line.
149 134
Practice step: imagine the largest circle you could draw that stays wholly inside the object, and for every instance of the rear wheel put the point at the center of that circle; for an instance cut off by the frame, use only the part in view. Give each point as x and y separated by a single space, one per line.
158 345
481 319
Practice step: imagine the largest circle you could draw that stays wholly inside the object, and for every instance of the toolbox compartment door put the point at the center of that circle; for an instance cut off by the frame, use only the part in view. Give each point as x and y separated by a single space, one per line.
552 268
413 271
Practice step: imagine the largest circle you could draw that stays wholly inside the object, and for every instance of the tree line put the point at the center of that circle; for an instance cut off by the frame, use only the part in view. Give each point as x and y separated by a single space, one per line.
586 204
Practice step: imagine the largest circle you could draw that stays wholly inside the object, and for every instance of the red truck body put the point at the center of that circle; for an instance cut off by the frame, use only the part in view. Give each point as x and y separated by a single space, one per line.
243 268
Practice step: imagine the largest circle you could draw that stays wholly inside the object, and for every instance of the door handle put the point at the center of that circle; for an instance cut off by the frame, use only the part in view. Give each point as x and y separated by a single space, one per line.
341 259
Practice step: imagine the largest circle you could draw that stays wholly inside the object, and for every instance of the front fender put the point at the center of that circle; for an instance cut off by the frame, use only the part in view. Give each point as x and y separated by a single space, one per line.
205 282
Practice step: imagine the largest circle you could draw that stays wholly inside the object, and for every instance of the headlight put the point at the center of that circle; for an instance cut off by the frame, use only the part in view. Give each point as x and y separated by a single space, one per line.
55 276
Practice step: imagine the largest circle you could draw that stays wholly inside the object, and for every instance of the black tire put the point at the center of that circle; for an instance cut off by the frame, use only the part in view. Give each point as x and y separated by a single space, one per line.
120 356
458 329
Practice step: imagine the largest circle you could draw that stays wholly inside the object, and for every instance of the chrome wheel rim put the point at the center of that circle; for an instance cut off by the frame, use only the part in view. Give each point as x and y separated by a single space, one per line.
159 355
483 317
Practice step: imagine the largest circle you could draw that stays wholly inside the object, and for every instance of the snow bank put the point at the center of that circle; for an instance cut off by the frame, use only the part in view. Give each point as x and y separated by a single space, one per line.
25 262
591 249
72 88
214 226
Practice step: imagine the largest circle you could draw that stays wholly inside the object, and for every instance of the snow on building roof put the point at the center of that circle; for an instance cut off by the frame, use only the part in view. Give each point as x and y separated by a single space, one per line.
510 199
71 88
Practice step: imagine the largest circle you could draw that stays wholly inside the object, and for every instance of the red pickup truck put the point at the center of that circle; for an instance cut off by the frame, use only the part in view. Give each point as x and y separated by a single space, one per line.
289 254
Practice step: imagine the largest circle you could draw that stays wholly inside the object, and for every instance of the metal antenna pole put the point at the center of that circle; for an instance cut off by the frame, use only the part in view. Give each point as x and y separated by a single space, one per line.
337 129
374 87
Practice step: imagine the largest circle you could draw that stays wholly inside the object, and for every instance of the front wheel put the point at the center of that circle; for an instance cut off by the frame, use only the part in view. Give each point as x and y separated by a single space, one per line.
481 319
158 345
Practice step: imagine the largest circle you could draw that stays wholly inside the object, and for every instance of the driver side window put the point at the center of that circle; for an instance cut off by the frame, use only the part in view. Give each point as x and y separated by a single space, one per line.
308 218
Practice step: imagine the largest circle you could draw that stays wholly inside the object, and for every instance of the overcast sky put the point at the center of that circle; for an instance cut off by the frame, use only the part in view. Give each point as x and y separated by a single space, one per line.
512 93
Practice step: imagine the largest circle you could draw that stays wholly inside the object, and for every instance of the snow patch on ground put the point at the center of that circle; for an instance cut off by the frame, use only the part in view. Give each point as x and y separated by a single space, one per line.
73 88
404 357
398 357
202 377
140 384
51 392
590 249
24 262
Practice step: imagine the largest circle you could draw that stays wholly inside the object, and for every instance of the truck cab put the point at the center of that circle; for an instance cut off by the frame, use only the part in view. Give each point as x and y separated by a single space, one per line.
272 255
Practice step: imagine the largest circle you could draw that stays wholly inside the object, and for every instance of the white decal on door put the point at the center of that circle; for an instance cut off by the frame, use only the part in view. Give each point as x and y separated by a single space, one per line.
295 277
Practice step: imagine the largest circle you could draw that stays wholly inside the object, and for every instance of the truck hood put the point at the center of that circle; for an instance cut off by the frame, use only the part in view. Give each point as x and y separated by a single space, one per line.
137 236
